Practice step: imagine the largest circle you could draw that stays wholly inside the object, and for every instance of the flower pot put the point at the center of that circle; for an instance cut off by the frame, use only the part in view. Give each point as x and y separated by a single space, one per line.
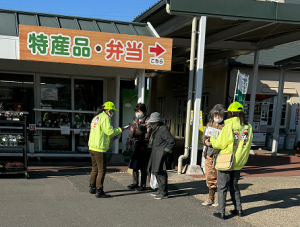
5 143
11 143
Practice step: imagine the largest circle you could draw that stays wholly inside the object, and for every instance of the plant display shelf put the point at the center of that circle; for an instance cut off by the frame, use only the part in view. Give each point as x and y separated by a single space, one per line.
24 170
65 111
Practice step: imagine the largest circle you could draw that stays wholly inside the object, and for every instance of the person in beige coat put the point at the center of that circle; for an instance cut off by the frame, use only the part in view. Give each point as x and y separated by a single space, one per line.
211 174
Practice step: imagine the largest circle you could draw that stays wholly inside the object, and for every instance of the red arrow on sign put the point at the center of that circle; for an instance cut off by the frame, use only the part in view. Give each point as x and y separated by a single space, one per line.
158 50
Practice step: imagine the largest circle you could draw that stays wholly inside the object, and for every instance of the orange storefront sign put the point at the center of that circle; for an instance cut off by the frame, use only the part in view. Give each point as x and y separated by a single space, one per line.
94 48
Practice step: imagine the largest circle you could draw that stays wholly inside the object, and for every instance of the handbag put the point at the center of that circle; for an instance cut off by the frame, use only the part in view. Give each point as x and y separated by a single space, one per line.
224 162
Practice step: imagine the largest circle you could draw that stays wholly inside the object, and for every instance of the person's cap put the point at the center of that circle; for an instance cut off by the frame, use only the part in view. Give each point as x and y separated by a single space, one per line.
109 106
235 107
154 117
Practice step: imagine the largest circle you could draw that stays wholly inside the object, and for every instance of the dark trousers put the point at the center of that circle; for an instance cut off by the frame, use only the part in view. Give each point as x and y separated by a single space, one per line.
98 168
229 179
144 174
162 180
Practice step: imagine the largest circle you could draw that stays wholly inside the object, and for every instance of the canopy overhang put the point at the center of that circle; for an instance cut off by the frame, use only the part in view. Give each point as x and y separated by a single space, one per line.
226 37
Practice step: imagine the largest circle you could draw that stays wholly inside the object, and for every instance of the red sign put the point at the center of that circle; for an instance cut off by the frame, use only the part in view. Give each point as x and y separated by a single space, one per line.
32 127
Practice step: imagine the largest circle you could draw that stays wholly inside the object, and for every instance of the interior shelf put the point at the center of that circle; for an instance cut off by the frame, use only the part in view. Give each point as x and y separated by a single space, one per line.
65 111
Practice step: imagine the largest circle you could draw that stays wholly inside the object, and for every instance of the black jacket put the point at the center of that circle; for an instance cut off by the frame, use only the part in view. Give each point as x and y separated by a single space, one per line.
162 144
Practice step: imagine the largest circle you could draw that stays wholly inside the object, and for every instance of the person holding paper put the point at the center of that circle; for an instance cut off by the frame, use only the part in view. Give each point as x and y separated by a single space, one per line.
235 138
140 131
214 126
102 133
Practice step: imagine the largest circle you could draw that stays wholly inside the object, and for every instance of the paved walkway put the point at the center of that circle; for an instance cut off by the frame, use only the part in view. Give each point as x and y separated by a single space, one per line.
63 201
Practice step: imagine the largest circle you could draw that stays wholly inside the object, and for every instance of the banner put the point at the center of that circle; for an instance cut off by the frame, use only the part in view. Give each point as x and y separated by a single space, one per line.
241 87
47 44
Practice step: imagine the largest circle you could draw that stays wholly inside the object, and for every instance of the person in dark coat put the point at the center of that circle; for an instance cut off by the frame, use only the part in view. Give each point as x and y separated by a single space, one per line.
141 132
161 142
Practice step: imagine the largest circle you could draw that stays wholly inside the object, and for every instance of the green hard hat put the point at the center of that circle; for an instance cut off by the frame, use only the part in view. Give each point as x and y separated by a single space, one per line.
235 107
109 106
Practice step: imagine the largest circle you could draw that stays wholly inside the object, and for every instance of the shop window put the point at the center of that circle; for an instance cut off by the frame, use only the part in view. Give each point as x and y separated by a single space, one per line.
54 141
88 94
17 94
272 111
56 93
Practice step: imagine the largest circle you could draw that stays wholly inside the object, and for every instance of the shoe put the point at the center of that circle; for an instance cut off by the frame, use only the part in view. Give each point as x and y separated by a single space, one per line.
208 202
219 215
140 189
132 186
101 194
154 193
160 197
237 212
215 204
92 189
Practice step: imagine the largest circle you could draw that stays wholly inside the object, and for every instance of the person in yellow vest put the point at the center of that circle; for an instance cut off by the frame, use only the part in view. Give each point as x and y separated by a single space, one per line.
102 133
236 137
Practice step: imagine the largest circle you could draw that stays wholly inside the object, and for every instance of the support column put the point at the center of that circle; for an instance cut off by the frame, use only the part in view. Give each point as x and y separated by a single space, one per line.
254 85
141 86
149 95
278 112
190 97
73 114
117 113
194 168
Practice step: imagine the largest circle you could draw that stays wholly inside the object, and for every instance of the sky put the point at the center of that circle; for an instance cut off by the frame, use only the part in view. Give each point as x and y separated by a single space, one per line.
125 10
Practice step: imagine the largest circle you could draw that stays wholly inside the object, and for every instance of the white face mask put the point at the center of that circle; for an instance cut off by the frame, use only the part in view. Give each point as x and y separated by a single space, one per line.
139 115
110 114
218 120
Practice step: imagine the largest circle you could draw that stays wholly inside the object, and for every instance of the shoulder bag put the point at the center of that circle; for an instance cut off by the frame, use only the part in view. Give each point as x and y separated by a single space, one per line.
224 162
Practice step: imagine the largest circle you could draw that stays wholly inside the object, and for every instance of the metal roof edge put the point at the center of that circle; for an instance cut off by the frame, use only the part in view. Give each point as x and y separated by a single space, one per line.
152 9
72 17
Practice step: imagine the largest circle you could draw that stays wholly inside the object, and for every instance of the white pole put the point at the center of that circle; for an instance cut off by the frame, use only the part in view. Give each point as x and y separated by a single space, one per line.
142 76
278 112
236 83
198 96
117 113
139 85
149 95
254 85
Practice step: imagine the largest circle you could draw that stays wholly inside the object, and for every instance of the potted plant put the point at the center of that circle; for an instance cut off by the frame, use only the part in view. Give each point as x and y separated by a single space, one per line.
5 140
14 166
2 168
9 115
12 141
20 140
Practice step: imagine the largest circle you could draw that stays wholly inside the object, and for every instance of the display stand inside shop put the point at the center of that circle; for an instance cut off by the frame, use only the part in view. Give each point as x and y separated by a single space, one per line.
9 143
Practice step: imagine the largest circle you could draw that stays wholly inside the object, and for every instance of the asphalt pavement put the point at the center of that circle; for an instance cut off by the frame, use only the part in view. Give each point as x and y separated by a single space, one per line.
65 201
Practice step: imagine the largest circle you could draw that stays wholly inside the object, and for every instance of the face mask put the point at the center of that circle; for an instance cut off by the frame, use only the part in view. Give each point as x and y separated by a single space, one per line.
153 126
110 114
218 120
139 115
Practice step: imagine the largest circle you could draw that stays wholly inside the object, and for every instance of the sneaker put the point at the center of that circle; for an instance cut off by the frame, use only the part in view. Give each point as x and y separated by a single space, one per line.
159 197
140 189
132 186
208 202
215 204
154 194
